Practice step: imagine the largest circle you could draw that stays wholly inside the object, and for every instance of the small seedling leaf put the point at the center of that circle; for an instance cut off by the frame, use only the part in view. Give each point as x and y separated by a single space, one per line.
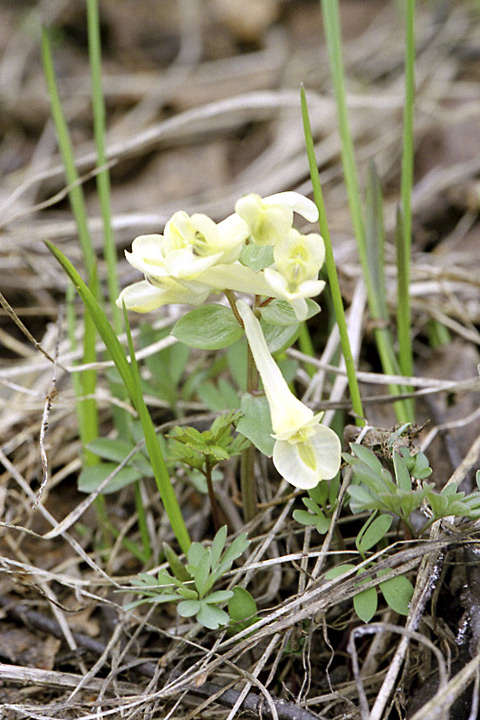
237 548
217 546
219 596
402 475
371 533
304 518
365 604
188 608
211 616
241 605
279 338
176 565
319 493
338 571
196 554
93 476
398 592
368 457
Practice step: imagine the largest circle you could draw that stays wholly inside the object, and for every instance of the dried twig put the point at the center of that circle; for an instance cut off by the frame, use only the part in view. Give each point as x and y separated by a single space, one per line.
229 698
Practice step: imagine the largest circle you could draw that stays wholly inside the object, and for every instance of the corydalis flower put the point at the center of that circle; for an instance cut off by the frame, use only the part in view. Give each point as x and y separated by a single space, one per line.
269 219
298 259
196 256
305 451
188 247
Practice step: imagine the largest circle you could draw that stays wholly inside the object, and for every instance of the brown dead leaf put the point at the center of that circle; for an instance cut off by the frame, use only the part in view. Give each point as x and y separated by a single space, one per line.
22 647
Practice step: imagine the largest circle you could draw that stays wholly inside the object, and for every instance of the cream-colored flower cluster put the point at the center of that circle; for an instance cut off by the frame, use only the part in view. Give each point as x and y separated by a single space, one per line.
196 256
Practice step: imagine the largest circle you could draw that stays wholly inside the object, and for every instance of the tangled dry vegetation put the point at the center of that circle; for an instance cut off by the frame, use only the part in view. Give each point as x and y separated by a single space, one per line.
203 105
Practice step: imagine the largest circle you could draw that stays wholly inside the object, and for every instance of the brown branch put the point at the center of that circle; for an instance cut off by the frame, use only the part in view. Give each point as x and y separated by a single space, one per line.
253 703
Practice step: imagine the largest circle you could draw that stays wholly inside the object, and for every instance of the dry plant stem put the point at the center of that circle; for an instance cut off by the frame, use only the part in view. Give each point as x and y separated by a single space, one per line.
426 579
453 689
38 677
408 635
252 702
258 669
76 547
11 313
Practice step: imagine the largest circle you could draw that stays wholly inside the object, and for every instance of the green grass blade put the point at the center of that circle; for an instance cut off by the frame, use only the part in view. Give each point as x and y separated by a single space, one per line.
99 318
103 177
330 265
383 338
83 384
142 522
86 409
306 347
120 417
403 286
75 194
404 247
331 22
131 380
157 461
375 244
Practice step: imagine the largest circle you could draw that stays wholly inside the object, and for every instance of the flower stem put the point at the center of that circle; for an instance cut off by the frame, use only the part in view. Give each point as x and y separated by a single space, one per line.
247 463
217 521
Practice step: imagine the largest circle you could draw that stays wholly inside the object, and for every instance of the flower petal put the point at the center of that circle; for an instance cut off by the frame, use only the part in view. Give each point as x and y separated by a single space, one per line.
232 234
237 277
267 222
296 202
305 464
287 412
299 257
183 263
147 254
141 297
279 286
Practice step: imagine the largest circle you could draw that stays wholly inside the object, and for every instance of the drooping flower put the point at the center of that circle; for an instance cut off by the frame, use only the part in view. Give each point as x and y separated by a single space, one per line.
270 218
305 451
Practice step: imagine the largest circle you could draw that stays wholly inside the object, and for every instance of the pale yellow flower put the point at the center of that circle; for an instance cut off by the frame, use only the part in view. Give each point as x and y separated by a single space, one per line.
305 451
298 259
270 218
